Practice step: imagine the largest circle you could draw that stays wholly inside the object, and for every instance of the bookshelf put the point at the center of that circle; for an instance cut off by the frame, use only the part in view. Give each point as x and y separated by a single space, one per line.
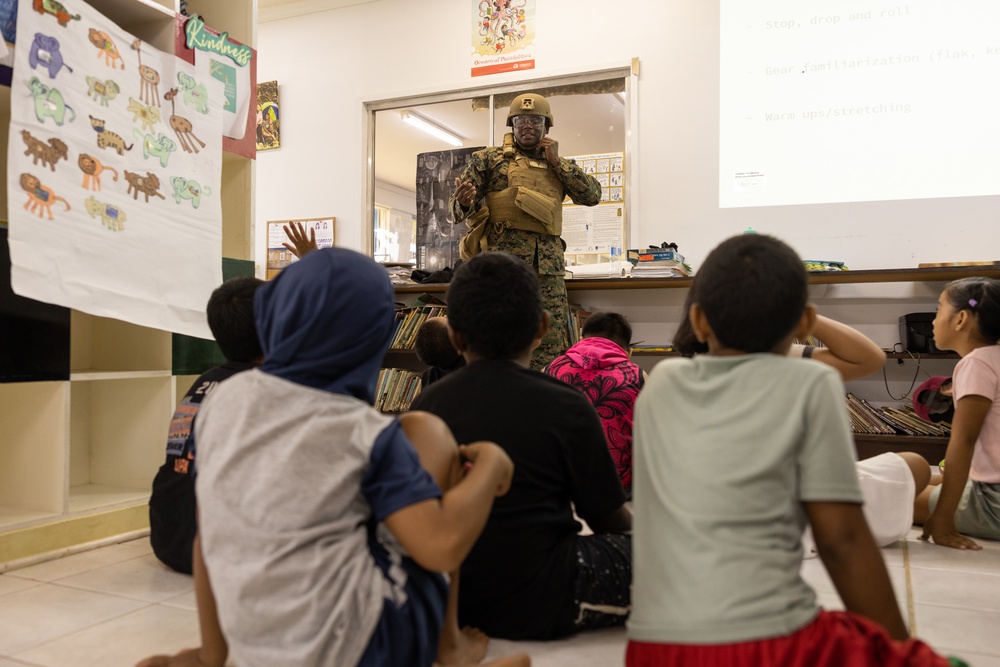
86 411
653 305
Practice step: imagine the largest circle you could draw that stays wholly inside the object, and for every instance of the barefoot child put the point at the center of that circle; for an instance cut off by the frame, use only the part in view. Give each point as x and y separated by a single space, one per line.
968 498
322 523
736 451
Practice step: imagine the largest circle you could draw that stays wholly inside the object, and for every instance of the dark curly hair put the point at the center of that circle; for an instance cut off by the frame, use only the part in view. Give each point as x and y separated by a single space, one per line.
753 289
230 317
495 304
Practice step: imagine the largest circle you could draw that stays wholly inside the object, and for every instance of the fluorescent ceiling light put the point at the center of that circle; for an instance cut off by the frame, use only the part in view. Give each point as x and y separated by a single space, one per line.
432 129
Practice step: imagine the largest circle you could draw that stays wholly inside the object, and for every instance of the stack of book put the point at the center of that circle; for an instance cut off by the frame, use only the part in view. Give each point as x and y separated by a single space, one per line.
654 263
888 420
396 389
408 321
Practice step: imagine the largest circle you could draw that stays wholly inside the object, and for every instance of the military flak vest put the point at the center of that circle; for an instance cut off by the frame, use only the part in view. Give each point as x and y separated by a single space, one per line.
532 202
533 198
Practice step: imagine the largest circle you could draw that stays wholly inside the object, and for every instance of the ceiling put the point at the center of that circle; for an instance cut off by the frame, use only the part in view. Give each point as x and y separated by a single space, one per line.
272 10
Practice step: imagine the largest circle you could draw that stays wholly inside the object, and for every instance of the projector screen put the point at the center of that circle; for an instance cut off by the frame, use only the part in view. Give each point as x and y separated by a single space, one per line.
824 102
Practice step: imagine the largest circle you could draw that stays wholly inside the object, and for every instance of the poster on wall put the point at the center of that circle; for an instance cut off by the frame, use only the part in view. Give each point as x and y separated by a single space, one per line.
594 229
278 256
114 201
503 36
234 65
268 127
437 235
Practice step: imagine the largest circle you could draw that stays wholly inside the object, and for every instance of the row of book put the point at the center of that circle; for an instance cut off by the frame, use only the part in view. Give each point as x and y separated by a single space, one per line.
396 389
577 316
408 321
888 420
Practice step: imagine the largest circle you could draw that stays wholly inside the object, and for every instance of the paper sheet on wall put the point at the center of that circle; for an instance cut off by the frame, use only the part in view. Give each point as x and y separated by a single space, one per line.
594 229
114 203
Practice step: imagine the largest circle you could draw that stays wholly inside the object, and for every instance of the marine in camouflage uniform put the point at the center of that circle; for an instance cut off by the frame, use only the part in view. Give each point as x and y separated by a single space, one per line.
529 229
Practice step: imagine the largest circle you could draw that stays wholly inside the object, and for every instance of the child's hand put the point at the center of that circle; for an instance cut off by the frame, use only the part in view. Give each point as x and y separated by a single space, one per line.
492 455
301 243
944 533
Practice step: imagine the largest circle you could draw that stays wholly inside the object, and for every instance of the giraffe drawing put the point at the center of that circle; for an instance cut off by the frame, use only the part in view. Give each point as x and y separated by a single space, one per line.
182 126
149 79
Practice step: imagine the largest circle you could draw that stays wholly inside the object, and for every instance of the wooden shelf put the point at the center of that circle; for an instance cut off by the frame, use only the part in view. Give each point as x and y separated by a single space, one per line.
931 447
941 274
921 355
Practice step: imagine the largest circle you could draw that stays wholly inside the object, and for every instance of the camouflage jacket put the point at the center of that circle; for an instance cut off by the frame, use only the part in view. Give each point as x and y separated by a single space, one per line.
487 170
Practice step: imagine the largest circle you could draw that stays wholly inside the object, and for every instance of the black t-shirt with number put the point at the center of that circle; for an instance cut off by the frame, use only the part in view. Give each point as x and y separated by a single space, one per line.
518 580
172 523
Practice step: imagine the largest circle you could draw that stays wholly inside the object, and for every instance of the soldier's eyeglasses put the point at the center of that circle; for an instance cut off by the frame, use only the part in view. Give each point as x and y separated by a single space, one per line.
534 121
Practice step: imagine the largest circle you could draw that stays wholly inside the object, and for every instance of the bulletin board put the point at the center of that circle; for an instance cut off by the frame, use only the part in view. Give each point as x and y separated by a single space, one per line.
278 256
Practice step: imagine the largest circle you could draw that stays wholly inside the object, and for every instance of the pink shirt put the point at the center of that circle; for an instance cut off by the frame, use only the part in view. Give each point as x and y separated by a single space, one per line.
978 374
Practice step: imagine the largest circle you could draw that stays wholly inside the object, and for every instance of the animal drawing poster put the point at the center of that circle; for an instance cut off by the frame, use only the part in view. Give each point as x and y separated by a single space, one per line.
113 172
503 36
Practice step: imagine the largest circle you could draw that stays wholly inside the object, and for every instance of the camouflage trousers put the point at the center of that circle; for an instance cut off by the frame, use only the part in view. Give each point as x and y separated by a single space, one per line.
544 254
555 299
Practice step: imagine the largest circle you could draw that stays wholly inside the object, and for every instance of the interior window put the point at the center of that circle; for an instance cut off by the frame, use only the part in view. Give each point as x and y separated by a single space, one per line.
418 146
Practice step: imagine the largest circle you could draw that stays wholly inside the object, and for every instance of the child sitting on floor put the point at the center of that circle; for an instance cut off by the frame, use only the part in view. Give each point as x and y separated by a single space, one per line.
735 451
322 523
888 480
968 498
435 351
172 524
599 366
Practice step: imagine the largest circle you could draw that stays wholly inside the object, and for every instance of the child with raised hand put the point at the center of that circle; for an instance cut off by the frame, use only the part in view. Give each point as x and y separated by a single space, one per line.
736 450
324 525
968 498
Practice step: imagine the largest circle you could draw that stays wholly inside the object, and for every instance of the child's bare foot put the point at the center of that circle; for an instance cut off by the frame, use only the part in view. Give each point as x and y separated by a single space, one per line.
467 647
519 660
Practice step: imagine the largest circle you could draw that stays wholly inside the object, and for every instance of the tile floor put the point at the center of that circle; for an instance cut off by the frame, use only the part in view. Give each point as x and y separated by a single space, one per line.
114 605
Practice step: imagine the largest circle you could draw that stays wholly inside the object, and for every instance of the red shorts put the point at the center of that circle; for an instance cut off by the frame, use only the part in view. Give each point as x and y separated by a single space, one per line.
834 639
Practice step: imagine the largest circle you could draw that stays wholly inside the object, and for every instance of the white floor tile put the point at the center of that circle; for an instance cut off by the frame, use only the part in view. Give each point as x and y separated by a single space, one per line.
10 584
974 659
963 629
123 641
46 612
956 589
118 604
60 568
601 648
143 578
928 555
183 601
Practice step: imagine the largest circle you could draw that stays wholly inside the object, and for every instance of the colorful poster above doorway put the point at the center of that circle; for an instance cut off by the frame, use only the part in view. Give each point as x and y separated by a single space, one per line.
503 36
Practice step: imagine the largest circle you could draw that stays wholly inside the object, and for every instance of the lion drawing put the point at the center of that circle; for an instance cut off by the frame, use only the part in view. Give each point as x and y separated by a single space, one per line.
48 153
92 168
148 185
40 197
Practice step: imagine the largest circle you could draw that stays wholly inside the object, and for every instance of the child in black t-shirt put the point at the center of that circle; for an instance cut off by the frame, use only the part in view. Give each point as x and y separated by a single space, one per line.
172 523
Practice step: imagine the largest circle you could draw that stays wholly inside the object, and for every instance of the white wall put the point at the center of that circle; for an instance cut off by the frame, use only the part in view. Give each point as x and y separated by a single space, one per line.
327 64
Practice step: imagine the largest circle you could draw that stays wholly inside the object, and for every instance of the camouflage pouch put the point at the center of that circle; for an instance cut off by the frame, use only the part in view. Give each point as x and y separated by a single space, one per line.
538 206
473 241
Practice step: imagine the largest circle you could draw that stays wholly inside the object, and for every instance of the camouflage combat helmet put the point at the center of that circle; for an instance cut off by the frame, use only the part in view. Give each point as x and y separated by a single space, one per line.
529 104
